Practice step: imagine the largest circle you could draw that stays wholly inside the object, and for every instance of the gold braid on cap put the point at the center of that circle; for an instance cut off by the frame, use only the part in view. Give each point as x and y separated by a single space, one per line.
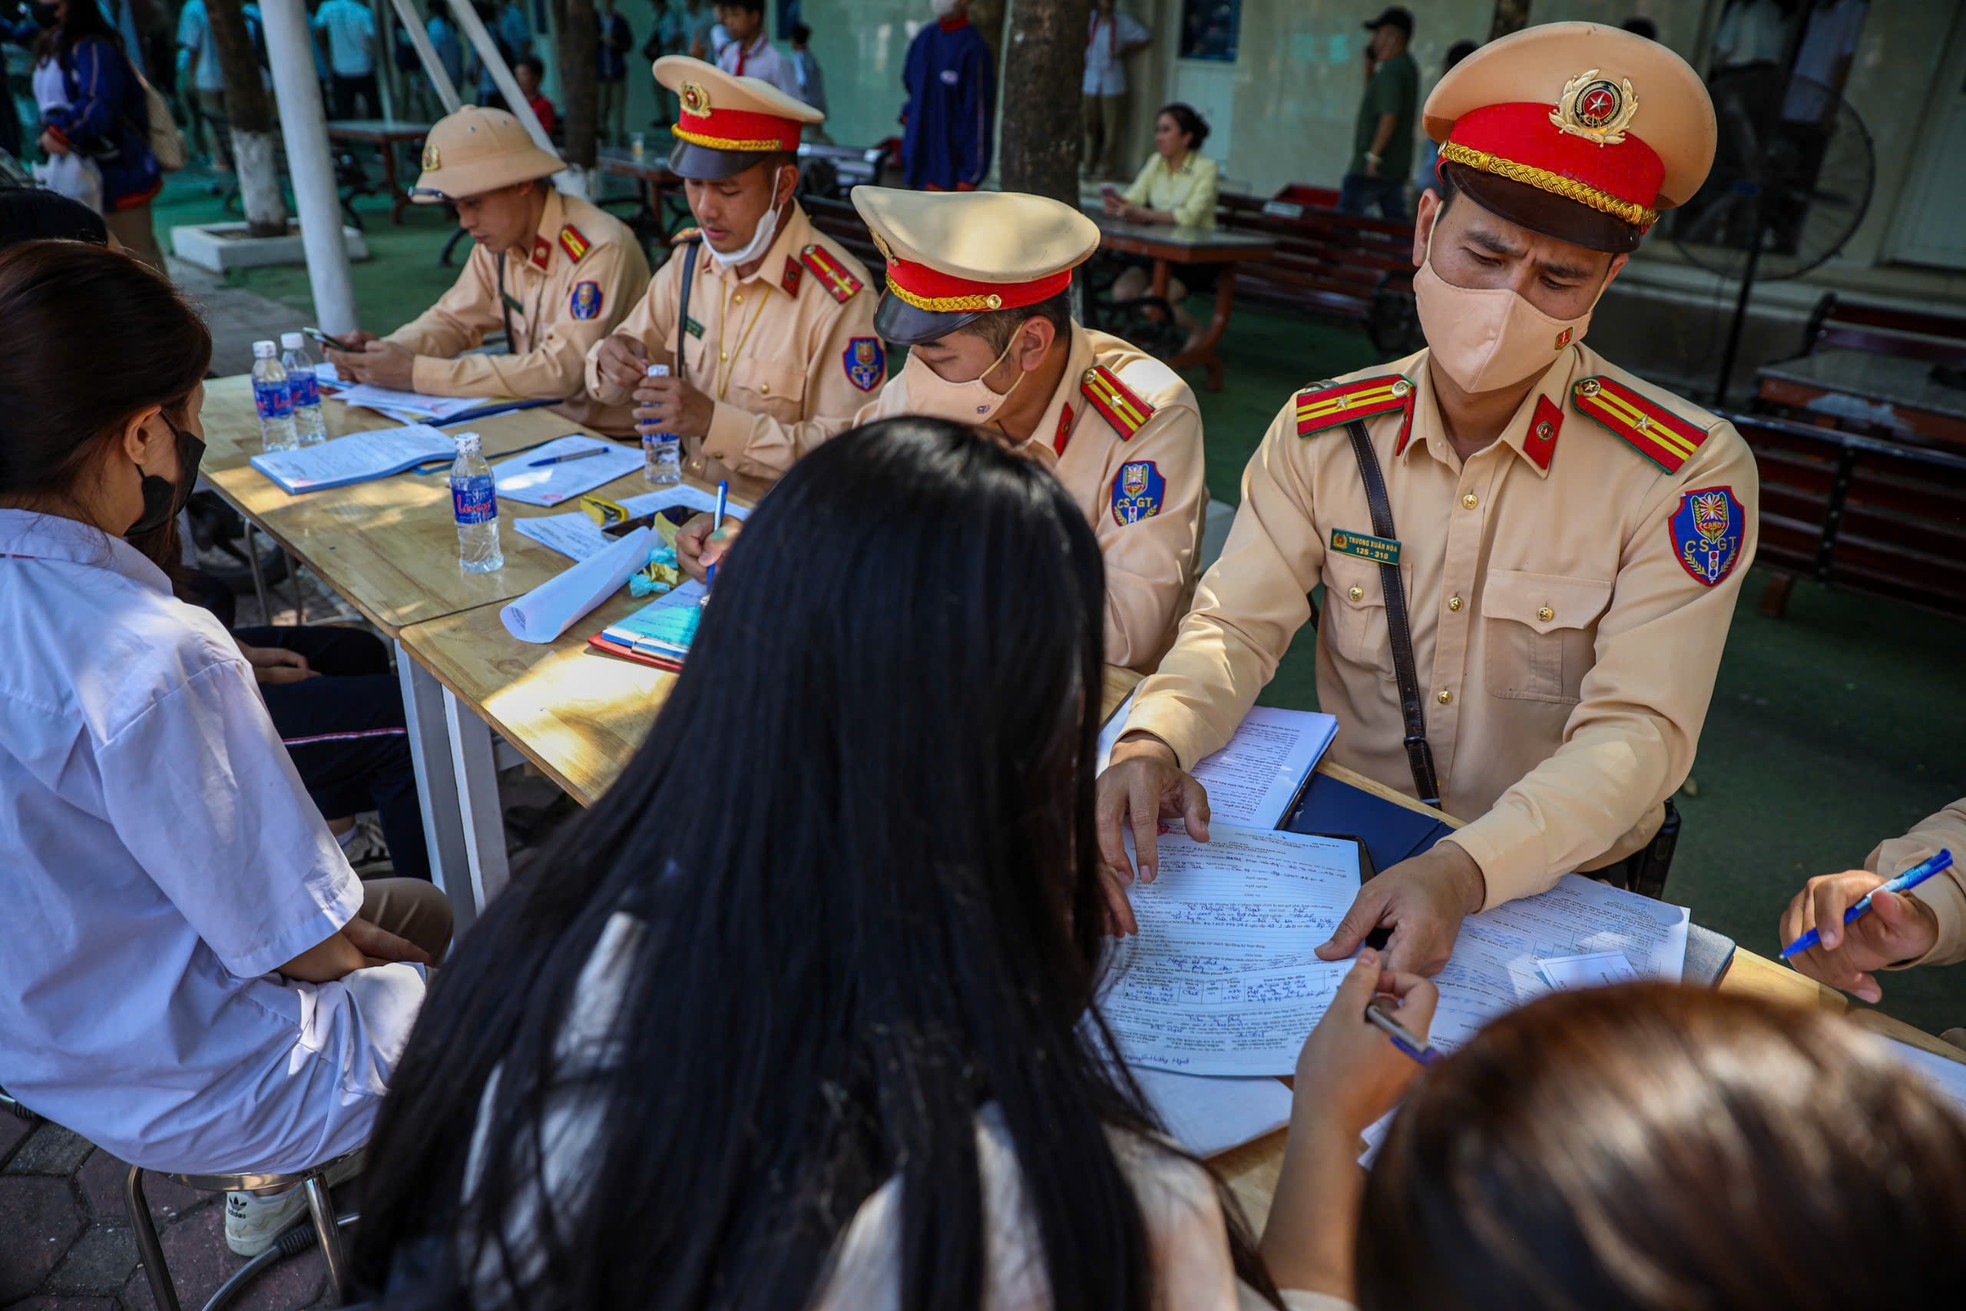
944 304
1555 183
722 143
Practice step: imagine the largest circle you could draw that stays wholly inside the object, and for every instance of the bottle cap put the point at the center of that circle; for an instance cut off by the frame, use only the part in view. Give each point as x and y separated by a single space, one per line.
658 371
292 341
465 437
264 350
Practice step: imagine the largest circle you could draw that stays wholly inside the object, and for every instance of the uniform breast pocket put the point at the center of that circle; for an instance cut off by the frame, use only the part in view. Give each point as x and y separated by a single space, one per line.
1541 632
769 387
1355 612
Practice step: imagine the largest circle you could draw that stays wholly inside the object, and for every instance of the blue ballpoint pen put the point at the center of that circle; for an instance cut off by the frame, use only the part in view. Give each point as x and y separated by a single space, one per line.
564 459
1378 1013
716 525
1905 882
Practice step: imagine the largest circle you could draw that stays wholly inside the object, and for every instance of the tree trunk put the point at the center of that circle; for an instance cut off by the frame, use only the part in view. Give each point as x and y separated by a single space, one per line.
580 105
249 108
1043 66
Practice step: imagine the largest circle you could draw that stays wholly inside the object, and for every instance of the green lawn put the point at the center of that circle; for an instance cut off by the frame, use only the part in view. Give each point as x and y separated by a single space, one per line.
1831 729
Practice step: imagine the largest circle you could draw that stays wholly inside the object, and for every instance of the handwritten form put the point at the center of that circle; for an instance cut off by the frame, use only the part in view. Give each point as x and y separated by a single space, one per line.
578 536
1222 977
1259 773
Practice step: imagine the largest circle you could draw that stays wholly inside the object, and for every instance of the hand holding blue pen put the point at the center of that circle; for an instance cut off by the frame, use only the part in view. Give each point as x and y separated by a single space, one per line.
716 525
1380 1015
1906 881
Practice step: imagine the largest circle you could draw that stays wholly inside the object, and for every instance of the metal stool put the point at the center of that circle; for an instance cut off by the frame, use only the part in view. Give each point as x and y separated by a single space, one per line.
326 1229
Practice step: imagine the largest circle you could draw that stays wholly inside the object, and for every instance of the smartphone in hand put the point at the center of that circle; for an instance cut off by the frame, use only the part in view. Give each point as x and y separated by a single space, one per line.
332 342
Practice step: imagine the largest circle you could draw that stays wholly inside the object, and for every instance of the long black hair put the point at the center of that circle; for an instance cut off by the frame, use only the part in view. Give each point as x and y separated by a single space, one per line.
860 836
84 21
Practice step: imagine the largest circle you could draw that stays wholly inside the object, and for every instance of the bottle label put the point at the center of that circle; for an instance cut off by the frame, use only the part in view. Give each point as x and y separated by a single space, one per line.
475 499
273 400
306 391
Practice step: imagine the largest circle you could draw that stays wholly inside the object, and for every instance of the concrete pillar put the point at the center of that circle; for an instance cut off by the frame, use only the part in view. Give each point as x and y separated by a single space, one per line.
433 67
304 127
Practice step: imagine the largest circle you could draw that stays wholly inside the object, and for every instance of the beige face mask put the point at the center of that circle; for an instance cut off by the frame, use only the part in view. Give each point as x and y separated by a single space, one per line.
1487 338
930 394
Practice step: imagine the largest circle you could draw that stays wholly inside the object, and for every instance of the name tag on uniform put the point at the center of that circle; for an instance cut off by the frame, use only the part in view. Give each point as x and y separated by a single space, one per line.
1379 550
693 328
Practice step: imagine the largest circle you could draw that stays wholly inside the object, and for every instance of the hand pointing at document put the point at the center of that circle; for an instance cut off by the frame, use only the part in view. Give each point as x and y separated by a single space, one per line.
1144 785
1422 900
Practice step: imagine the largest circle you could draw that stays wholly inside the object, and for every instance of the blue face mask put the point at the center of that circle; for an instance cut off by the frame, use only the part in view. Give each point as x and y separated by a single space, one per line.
162 499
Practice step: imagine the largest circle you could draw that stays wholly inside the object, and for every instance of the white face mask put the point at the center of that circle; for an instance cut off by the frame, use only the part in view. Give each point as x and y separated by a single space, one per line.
930 394
761 239
1487 338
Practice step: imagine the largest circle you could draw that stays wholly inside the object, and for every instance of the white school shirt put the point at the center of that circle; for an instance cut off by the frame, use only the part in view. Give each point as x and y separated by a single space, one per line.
351 37
1105 74
158 858
762 61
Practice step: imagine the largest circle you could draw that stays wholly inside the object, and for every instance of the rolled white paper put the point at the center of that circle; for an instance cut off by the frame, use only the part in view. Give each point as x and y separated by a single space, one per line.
556 604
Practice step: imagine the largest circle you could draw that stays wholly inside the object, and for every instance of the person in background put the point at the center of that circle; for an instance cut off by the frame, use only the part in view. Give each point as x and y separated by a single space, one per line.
529 72
886 1090
94 109
1119 429
1382 157
448 42
612 43
514 31
1176 186
952 94
1925 926
702 27
550 270
194 979
1646 1147
749 52
1428 178
1110 37
806 71
763 318
201 86
348 26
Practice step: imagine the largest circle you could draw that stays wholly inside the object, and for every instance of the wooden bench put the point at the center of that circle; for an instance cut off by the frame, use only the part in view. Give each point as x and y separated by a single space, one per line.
1342 267
1858 512
1885 330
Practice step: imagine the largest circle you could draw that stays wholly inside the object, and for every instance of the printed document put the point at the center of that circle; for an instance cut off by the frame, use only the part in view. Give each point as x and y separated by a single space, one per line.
525 479
1253 780
355 458
577 535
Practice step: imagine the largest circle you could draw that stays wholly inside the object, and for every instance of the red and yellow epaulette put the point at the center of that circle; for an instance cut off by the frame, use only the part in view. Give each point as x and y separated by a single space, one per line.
1363 398
1658 434
1116 402
574 243
686 234
832 275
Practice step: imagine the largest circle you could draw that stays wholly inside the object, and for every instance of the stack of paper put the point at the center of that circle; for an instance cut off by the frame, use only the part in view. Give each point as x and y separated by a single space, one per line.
414 407
660 632
577 535
1257 778
543 476
357 457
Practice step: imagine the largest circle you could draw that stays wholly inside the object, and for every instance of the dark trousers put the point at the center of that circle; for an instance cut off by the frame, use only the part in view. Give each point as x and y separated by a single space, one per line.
347 88
346 734
1359 193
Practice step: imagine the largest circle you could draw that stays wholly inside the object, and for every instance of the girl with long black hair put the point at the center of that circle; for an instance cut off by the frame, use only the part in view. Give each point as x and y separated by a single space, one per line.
796 1015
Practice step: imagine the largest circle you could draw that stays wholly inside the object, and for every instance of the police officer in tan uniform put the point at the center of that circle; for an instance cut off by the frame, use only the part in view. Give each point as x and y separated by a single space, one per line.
1561 540
551 271
978 288
775 325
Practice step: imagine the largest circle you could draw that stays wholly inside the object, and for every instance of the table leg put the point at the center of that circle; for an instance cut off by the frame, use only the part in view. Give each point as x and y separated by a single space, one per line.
436 786
397 200
482 819
259 574
1203 352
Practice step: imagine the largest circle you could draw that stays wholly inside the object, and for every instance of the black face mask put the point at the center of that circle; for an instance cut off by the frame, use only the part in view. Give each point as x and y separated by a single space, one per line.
163 499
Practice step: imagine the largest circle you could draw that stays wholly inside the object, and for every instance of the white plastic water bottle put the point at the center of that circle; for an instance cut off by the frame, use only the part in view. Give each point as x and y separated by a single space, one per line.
309 426
273 399
662 452
474 501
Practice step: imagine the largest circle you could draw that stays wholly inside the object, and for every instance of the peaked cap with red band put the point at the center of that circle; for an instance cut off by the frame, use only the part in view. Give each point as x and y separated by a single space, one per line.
1580 132
954 255
727 122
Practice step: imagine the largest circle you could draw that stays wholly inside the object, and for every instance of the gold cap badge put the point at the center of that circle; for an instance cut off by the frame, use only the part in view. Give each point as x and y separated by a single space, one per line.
696 101
432 160
1595 108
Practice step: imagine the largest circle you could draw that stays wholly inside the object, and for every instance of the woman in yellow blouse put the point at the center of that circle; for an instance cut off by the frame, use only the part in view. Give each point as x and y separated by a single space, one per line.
1176 187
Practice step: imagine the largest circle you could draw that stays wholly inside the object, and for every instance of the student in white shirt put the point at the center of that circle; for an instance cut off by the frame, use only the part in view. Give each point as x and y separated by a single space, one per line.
193 977
1110 37
794 1018
749 52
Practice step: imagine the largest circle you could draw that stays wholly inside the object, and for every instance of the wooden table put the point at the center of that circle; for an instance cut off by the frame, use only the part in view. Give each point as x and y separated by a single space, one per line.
652 170
1894 393
1168 246
385 135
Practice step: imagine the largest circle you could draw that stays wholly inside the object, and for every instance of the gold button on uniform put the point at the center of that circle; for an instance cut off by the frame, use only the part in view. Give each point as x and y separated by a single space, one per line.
1470 501
1446 697
724 355
764 389
1357 594
1546 614
1454 603
738 298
